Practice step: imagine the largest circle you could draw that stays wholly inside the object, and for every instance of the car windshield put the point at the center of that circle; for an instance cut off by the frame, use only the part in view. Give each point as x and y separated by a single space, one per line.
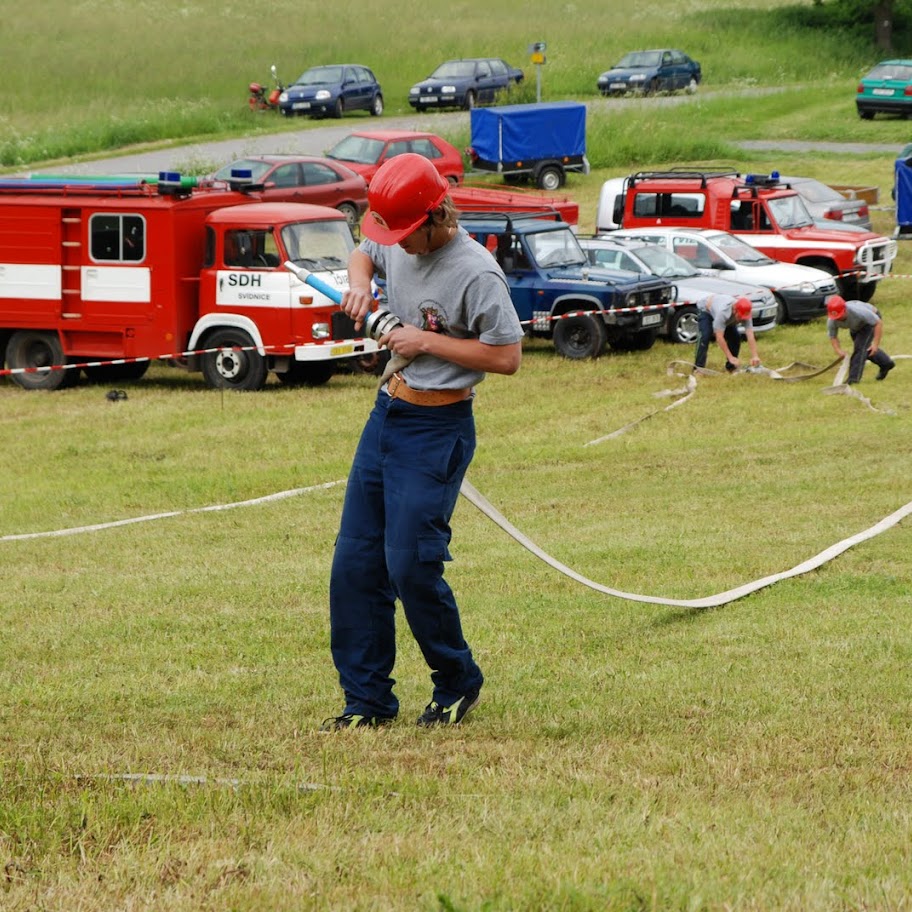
454 69
319 245
662 262
320 76
360 149
257 169
789 212
740 251
640 59
900 72
556 248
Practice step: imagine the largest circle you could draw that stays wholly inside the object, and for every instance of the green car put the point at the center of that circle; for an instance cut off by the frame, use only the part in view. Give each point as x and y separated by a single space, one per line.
887 89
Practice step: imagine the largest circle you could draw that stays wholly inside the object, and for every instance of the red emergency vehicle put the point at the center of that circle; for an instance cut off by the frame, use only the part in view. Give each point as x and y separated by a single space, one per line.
130 271
764 212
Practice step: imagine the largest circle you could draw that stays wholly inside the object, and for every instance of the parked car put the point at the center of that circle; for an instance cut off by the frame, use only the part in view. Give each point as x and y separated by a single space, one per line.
559 296
887 89
823 202
304 179
365 150
662 70
464 83
693 286
800 291
334 90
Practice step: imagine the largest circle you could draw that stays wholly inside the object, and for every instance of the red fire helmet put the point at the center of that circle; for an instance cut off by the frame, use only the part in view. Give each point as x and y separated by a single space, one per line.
836 307
743 309
402 194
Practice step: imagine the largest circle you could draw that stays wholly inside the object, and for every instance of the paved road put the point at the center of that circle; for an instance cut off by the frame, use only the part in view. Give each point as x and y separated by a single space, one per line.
317 139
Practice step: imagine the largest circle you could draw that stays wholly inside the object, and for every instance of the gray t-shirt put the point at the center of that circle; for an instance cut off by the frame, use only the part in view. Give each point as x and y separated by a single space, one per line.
458 290
858 315
721 308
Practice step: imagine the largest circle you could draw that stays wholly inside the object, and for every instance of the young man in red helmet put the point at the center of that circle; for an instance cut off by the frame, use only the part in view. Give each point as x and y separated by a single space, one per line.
458 322
718 317
865 326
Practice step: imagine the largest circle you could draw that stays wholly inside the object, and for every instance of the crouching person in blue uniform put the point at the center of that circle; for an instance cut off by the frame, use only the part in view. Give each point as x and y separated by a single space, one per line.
865 327
458 322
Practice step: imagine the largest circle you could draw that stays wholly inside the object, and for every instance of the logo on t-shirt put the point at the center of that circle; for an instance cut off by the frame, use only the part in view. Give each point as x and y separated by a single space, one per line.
432 319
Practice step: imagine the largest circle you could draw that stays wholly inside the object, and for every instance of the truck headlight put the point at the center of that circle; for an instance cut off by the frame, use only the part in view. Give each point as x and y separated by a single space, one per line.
323 95
321 331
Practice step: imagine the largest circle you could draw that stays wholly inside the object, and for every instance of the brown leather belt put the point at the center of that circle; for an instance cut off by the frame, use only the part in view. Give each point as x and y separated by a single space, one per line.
399 389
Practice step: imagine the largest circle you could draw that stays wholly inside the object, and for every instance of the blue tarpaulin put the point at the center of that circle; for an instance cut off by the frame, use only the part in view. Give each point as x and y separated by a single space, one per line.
903 188
514 133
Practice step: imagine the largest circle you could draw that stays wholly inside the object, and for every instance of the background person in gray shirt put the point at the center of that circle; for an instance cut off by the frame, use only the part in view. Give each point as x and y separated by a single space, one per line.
718 317
865 326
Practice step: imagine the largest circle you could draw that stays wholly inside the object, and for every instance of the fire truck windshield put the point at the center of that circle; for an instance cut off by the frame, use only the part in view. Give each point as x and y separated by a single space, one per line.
319 244
789 212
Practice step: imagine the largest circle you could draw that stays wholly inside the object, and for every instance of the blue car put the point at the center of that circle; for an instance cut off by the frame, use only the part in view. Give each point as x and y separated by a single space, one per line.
333 90
649 72
464 83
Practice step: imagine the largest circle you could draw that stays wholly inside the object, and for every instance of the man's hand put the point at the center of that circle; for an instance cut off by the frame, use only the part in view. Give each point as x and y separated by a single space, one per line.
357 304
406 340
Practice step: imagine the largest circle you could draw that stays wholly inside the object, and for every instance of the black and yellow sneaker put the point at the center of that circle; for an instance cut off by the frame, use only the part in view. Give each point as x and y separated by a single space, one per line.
435 714
353 720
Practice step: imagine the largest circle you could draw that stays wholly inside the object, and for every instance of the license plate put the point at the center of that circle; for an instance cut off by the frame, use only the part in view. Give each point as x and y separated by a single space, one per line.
301 105
652 319
342 349
882 91
427 99
618 85
769 312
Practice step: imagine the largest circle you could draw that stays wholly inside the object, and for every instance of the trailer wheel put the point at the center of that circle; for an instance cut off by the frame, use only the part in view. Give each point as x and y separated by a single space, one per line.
580 337
301 373
31 348
238 366
551 177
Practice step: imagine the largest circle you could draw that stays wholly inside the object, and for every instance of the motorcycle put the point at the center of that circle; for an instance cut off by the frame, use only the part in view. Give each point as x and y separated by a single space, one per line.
264 99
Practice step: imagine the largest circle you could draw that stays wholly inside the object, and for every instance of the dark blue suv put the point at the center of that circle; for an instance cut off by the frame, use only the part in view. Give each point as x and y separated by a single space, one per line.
333 90
464 83
559 295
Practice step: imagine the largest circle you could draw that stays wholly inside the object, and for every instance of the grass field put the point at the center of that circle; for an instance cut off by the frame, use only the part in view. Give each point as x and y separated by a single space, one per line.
161 682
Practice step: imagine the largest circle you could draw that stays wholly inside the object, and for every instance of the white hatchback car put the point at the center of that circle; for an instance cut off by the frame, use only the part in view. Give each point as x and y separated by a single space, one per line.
800 291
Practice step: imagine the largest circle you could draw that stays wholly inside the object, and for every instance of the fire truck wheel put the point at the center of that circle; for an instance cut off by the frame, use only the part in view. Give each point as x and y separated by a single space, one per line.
30 348
580 337
238 366
301 373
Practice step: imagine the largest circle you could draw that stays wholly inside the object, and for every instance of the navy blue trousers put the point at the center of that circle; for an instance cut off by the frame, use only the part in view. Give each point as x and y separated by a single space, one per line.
861 342
705 324
393 542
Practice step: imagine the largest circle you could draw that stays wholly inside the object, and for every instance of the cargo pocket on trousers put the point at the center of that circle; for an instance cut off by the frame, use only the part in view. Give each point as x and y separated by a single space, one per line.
433 548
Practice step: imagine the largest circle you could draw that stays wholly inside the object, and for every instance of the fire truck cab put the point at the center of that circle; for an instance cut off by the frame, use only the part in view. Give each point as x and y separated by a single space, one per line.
106 275
764 212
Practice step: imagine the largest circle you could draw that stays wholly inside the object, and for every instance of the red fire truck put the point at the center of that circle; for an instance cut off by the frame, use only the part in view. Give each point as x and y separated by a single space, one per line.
124 271
764 212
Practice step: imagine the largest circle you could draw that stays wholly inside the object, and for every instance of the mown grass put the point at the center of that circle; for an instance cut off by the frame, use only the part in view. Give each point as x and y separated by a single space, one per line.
625 756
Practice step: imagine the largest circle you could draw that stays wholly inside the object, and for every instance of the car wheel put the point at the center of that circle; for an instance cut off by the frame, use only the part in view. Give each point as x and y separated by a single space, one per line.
683 326
469 101
338 108
376 108
782 314
239 366
550 178
28 348
866 115
653 87
350 211
580 337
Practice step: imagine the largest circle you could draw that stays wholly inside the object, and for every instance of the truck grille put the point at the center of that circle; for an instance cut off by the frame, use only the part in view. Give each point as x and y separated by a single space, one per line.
877 257
343 327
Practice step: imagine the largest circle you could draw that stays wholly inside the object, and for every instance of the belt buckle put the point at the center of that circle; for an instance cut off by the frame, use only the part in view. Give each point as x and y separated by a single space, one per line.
392 385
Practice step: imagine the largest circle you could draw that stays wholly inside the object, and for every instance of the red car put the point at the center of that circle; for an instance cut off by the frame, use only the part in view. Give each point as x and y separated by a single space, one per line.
304 179
366 150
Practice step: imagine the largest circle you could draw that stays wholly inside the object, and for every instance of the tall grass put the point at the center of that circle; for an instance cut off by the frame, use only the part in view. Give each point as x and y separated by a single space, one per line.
94 75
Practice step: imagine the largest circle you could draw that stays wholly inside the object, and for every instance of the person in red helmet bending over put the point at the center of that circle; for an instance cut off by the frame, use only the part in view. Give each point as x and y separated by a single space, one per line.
457 323
865 326
718 317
